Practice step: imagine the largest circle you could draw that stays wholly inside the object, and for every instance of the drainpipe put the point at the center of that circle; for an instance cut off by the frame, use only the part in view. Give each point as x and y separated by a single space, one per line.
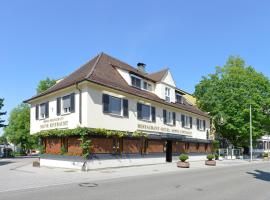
80 102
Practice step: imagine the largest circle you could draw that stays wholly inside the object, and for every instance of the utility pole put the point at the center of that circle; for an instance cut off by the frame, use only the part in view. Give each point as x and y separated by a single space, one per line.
250 133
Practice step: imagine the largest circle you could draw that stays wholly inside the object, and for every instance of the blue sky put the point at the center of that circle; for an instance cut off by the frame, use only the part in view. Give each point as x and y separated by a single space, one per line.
40 39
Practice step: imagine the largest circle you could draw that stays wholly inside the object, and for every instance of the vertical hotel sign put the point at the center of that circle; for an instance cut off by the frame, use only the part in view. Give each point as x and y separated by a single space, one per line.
54 123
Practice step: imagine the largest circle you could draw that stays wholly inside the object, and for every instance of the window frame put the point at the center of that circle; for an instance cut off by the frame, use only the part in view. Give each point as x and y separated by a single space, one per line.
121 106
181 98
151 108
62 104
46 110
187 121
122 100
138 78
167 94
202 124
40 114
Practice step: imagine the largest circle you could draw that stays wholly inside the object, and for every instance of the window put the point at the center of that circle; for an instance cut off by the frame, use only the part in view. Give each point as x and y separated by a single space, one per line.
186 121
146 112
66 104
44 110
167 94
115 105
135 81
200 125
149 87
179 98
169 117
145 85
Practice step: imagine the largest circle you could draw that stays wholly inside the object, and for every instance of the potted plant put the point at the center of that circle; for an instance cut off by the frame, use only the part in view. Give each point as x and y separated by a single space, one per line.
265 156
210 160
183 163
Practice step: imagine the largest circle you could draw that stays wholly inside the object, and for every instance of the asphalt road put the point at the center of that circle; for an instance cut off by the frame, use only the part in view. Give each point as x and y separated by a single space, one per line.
236 182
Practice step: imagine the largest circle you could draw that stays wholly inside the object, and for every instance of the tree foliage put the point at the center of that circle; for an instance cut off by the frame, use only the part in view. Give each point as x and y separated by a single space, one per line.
2 113
18 129
45 84
227 95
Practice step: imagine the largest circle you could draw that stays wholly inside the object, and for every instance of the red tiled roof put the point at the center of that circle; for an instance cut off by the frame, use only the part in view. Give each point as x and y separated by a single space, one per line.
102 70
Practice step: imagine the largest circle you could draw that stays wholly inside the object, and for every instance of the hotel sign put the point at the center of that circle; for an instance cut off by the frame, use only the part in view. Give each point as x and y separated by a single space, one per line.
58 122
163 129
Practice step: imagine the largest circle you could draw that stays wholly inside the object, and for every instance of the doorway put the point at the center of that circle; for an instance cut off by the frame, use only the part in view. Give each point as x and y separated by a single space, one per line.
169 151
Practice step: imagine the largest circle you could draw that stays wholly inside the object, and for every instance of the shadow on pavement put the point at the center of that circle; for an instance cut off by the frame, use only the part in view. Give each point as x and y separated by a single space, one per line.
5 163
259 174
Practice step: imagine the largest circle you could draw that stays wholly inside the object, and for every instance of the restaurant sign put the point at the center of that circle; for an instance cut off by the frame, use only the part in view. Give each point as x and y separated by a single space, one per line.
163 129
58 122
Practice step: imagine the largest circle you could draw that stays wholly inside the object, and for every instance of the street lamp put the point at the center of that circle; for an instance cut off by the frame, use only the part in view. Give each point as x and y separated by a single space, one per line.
250 133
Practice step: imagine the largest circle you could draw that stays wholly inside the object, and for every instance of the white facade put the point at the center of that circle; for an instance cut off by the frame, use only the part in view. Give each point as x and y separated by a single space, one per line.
92 114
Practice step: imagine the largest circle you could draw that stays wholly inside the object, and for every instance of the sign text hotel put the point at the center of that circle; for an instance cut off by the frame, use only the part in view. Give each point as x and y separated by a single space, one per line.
163 129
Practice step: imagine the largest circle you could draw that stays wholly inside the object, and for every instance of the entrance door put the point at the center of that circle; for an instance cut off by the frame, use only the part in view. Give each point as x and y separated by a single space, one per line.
169 151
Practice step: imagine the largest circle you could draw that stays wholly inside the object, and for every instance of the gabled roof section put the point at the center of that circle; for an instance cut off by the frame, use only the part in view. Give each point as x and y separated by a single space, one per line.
75 77
158 76
102 71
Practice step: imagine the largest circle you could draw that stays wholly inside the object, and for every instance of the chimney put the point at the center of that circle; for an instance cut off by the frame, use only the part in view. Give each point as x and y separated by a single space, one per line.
141 67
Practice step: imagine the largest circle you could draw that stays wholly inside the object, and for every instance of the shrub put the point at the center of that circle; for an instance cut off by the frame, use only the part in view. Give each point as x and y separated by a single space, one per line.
183 157
63 150
216 156
210 157
265 155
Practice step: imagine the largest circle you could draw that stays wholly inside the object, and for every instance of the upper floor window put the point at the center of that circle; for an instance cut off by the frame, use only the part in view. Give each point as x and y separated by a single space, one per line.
67 102
169 117
135 81
146 112
147 86
167 94
179 98
200 125
42 111
186 121
115 105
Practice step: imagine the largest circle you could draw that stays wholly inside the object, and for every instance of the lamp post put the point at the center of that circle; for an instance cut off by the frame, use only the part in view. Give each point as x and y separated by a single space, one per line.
250 133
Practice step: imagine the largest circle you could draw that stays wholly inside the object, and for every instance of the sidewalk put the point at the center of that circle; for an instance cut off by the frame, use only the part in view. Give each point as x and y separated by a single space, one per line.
25 176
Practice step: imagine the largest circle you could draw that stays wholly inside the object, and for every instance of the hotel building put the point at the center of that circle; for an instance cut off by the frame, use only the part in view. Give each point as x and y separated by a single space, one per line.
107 93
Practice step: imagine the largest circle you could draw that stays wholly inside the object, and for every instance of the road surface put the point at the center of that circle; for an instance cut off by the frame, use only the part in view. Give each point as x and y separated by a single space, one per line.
250 181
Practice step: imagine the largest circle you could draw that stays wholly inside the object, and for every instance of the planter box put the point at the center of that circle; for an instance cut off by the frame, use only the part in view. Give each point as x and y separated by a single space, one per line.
183 164
210 162
36 164
265 158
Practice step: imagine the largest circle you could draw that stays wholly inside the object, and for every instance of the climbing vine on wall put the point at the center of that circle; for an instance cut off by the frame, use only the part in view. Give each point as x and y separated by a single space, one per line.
83 131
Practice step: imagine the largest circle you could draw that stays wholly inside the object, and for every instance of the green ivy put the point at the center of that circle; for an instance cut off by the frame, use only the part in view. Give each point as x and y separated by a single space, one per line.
85 145
83 131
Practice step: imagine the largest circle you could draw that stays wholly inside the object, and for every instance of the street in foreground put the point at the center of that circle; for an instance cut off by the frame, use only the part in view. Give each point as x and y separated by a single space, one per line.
246 181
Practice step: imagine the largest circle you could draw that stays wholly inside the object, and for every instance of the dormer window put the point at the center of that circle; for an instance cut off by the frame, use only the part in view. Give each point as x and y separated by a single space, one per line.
147 86
179 98
135 81
167 94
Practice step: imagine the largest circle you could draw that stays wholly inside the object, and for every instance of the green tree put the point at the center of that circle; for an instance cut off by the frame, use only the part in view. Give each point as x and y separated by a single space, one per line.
3 139
227 95
45 84
18 129
2 113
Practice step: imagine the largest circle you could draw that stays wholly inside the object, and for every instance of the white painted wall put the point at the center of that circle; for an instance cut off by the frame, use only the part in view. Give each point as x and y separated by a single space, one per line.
93 116
71 118
97 119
